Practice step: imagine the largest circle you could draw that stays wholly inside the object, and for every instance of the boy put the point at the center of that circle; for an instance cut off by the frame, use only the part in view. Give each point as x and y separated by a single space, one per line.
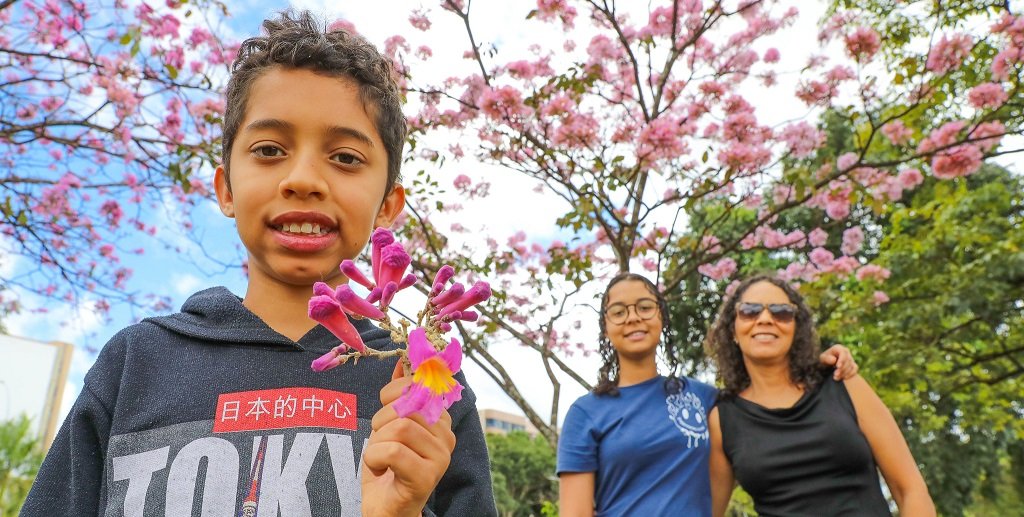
214 411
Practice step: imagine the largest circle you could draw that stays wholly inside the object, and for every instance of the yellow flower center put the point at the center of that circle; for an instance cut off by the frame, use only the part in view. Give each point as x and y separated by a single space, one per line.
435 376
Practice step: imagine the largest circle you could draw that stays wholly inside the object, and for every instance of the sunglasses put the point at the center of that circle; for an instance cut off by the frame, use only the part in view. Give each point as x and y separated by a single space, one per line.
781 312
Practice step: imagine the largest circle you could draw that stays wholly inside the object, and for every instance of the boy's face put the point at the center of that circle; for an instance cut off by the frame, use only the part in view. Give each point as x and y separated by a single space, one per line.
308 173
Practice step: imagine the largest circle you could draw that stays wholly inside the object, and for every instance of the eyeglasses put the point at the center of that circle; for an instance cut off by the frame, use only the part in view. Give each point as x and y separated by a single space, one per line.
619 312
781 312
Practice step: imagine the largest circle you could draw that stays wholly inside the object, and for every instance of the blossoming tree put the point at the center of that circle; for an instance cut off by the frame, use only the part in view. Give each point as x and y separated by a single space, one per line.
639 120
106 113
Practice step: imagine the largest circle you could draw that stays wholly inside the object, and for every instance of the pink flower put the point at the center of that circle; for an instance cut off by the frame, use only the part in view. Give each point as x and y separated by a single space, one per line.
847 160
817 237
853 238
394 261
879 297
503 102
988 134
897 132
349 269
353 304
961 160
434 387
873 272
419 20
821 257
548 10
803 139
949 53
910 178
862 43
771 55
480 292
328 312
380 238
444 274
987 95
724 268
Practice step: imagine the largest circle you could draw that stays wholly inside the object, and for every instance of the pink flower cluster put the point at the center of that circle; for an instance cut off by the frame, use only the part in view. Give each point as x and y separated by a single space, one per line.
433 363
863 43
949 53
722 269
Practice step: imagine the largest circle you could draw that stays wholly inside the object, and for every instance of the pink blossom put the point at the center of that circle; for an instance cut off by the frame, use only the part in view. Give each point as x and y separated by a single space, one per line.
815 92
944 136
873 272
844 265
987 95
342 25
879 298
803 139
771 55
479 293
663 138
1004 62
419 20
846 161
548 10
503 102
862 43
821 257
817 237
328 312
988 134
853 238
910 178
961 160
949 53
897 132
434 388
722 269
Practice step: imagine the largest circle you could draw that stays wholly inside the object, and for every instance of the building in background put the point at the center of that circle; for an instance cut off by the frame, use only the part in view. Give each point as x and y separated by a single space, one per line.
500 422
32 378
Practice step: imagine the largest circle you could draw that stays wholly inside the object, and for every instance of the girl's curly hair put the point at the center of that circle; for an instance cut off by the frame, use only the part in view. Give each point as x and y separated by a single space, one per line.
804 366
608 375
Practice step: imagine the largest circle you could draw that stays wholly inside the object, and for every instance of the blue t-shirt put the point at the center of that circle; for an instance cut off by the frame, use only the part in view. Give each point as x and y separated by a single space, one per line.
648 448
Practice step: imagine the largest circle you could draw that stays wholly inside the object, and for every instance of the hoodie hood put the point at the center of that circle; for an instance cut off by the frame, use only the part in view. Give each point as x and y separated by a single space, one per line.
217 315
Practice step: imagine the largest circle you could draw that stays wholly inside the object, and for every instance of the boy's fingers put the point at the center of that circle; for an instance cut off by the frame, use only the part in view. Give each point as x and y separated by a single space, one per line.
411 451
392 390
399 371
388 414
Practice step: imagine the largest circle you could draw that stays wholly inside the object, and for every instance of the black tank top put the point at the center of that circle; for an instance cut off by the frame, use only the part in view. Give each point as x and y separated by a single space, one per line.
807 460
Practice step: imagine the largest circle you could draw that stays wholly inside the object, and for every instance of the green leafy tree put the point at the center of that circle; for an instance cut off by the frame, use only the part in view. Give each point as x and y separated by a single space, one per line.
522 471
944 345
20 458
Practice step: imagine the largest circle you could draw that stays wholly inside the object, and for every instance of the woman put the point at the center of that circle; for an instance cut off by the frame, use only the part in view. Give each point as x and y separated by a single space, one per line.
798 441
638 445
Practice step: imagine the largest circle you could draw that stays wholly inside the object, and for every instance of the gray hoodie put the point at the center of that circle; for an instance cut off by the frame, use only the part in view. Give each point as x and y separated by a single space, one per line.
210 412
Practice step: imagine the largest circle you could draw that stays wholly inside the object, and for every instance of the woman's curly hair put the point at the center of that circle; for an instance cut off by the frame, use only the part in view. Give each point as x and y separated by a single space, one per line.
608 375
805 368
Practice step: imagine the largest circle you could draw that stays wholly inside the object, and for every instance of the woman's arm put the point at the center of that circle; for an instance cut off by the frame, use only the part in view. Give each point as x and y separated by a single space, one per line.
890 451
576 494
722 481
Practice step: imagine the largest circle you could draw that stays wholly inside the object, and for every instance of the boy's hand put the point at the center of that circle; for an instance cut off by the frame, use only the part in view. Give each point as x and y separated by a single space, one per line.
404 458
840 357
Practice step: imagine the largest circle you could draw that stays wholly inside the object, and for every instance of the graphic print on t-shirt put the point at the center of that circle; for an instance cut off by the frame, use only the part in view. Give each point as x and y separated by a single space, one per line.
289 451
686 411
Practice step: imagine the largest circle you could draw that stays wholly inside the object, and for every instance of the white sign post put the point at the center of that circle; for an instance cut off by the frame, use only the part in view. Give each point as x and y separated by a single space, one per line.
32 378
